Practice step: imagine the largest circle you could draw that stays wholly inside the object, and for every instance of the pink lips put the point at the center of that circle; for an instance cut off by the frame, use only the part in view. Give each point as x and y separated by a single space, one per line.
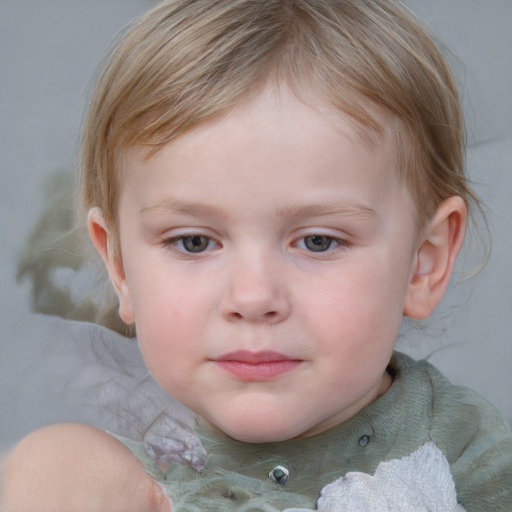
256 366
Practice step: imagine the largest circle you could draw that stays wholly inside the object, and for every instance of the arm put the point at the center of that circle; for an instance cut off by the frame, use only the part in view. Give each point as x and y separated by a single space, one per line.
76 468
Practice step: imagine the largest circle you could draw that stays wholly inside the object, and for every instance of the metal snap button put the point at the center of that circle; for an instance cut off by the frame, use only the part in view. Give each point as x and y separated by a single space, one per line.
364 440
279 475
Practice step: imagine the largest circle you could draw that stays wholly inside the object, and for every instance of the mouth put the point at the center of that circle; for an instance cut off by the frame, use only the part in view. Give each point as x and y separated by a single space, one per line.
256 366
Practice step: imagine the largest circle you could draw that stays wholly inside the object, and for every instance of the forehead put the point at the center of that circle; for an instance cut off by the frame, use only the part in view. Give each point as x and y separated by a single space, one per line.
277 110
273 147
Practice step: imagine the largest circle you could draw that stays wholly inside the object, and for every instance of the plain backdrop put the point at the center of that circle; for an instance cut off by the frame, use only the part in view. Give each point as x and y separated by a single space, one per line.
48 52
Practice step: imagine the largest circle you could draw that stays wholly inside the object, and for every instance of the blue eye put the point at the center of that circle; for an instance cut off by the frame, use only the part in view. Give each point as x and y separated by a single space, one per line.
318 243
193 244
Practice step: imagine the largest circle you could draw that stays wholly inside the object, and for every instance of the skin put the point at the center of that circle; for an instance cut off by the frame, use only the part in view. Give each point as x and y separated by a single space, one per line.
255 189
308 246
77 468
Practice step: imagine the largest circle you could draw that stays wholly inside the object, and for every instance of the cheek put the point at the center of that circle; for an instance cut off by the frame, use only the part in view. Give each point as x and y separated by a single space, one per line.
362 306
168 343
170 314
166 317
163 293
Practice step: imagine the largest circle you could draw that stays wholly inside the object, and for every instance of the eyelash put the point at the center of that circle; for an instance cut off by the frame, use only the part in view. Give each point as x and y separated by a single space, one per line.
324 242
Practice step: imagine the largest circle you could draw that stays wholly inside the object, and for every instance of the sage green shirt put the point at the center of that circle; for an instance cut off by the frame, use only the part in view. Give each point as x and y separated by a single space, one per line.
420 406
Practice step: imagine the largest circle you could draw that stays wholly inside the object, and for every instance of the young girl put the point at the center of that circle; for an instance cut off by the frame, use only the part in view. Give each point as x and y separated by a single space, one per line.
273 185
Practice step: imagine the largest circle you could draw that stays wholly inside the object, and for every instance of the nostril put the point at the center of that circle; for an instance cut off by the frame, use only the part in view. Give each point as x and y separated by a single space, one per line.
268 316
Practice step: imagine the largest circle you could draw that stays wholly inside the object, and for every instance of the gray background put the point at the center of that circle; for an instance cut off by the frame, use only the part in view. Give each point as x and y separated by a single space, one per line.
48 52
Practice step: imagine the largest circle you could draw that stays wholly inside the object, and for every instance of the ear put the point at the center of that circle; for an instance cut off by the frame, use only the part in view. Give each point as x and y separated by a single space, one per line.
104 243
439 246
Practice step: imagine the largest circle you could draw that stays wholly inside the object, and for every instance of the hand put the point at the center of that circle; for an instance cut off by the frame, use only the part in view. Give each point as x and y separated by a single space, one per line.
76 468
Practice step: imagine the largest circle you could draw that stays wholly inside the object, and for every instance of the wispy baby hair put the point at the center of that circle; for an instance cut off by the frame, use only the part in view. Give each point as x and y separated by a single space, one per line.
188 61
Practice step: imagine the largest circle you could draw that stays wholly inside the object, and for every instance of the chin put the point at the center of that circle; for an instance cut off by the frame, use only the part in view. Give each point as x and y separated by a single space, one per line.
261 432
258 437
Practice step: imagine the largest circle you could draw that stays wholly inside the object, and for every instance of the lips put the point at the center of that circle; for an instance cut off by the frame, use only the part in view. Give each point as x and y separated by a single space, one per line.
256 366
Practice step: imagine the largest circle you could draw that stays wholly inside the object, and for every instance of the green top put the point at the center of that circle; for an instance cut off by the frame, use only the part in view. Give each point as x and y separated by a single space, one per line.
420 406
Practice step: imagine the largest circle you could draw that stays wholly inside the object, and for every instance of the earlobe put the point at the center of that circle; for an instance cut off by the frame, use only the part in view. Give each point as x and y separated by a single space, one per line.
103 241
439 246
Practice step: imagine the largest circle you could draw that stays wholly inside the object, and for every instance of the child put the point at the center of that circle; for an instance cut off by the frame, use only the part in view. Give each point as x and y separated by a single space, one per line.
272 185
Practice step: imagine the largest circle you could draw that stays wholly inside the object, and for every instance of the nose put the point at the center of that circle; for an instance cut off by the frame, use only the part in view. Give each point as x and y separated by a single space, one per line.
256 291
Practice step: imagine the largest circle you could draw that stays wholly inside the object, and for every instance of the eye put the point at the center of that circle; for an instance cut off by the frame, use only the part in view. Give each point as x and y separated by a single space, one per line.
196 243
318 243
192 244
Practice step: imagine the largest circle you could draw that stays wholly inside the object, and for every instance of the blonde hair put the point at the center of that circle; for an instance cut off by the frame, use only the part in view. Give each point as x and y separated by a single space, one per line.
188 61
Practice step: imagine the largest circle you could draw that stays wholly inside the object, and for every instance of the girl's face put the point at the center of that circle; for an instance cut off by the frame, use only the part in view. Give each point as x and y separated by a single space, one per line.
266 259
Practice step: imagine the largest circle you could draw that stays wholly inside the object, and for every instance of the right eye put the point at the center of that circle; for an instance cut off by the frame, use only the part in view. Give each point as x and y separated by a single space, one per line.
192 244
318 243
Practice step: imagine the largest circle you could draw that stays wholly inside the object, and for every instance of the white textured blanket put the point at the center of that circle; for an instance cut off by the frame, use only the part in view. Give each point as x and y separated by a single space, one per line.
421 482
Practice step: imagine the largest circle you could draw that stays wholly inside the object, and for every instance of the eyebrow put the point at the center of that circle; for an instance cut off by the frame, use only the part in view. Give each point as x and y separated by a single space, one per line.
173 205
346 208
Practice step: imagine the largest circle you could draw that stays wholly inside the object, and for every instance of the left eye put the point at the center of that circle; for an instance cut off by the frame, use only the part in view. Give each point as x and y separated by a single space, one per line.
193 243
318 243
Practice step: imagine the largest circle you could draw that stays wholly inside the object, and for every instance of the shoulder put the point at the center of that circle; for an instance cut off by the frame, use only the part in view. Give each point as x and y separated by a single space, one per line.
456 415
71 447
64 463
72 438
451 408
470 432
